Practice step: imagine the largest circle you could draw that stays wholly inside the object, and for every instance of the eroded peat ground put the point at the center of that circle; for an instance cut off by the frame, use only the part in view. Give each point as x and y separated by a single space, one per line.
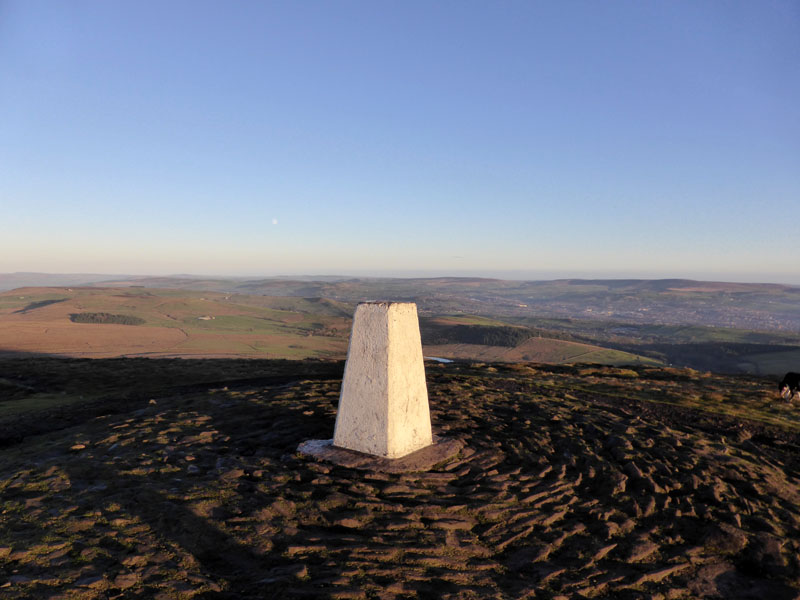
576 482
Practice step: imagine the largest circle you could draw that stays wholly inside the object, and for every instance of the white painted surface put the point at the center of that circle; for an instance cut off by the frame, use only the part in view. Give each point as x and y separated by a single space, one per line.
383 406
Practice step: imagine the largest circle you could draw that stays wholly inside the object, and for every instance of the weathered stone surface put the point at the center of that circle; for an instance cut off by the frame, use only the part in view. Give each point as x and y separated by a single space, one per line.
383 407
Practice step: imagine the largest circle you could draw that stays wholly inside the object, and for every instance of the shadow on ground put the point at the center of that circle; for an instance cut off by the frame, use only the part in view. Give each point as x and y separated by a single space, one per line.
564 490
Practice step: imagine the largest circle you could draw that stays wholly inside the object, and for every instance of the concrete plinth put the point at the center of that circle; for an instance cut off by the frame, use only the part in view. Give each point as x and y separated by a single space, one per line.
383 407
425 459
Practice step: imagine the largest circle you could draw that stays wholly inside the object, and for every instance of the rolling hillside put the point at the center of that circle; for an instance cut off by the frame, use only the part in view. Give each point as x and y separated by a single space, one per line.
747 306
134 321
138 321
479 338
173 323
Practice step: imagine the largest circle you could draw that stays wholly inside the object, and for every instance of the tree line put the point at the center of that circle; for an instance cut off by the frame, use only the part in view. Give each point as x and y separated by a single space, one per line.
487 335
105 318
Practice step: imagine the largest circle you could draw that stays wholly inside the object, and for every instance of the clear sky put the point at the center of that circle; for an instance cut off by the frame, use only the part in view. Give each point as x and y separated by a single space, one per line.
540 139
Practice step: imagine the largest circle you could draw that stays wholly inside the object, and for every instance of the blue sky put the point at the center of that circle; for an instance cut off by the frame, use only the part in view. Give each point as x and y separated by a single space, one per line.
531 139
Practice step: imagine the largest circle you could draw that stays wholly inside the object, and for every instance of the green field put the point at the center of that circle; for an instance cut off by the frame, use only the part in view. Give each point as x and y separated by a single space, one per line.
170 323
194 323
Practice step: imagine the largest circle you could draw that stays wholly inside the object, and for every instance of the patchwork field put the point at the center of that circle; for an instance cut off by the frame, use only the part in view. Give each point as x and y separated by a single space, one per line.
39 320
137 321
540 350
85 322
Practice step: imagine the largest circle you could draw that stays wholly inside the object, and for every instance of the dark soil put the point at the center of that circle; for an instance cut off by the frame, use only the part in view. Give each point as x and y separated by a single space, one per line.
572 484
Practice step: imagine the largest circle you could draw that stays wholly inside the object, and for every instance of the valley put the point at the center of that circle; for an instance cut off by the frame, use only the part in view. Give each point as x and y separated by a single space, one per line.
732 328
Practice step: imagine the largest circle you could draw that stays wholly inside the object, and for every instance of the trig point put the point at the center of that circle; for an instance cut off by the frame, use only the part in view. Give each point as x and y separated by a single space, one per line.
384 423
383 407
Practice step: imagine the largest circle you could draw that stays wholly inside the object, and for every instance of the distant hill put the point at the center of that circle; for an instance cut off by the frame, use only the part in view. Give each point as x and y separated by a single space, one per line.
749 306
752 306
106 322
10 281
471 338
102 322
718 326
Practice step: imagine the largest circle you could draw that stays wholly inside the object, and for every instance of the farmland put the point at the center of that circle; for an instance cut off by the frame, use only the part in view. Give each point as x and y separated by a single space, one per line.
84 322
674 322
185 323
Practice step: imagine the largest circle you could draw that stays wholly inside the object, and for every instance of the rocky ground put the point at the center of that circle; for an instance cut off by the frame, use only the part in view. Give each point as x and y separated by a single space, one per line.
574 482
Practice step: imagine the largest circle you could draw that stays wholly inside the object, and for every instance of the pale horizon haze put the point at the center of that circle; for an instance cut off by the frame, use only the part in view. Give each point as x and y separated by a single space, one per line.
531 139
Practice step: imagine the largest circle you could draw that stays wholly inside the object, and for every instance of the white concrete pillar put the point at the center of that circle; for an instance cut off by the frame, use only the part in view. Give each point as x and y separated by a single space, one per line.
383 406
